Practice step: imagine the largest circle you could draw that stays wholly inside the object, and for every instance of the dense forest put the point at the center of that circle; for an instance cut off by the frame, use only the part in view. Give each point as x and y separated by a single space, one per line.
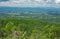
19 28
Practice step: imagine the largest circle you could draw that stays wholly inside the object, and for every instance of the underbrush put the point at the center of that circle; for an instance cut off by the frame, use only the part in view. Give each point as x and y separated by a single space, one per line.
28 29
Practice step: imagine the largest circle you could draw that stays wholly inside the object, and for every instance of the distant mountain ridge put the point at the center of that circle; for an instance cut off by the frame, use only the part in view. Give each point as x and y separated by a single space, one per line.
29 9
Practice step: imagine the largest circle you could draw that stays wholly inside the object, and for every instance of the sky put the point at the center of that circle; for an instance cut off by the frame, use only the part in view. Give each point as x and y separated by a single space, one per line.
30 3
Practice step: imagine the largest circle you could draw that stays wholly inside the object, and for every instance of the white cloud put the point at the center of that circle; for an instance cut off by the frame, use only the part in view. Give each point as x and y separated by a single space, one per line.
57 1
29 3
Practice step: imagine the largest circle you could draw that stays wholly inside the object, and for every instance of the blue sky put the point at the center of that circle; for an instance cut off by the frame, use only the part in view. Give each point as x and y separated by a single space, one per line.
3 0
30 3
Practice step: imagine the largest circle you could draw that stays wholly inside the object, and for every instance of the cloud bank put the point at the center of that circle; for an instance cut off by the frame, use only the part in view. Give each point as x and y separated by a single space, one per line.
30 3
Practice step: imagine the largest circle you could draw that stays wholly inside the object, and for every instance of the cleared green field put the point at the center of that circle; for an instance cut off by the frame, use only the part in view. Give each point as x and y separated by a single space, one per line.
19 28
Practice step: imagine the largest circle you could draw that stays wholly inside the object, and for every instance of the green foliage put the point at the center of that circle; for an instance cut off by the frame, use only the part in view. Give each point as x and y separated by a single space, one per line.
9 26
28 28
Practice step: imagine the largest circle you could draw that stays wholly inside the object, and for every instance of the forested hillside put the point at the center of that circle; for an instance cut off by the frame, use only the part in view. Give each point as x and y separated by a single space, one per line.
28 29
